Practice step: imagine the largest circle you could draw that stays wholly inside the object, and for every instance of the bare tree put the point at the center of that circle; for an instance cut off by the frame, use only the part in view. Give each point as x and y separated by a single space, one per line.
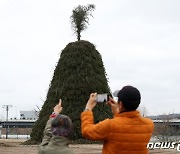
143 110
162 127
80 19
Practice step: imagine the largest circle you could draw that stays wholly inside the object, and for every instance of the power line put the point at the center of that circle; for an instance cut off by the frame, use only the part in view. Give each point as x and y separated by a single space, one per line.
7 111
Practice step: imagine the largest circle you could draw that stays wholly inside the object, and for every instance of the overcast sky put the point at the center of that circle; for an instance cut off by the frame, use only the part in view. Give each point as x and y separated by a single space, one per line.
139 42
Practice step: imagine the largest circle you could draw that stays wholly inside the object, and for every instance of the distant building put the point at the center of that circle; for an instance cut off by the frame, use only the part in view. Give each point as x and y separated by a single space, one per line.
165 116
29 115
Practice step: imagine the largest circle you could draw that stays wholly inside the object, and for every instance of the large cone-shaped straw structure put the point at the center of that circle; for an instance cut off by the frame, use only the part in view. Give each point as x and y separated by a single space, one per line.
79 72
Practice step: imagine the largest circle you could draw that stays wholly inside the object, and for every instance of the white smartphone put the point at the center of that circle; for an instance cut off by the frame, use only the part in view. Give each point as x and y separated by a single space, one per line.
102 98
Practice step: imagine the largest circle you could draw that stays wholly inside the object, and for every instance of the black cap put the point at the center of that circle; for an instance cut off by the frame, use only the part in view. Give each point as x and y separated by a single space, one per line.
130 97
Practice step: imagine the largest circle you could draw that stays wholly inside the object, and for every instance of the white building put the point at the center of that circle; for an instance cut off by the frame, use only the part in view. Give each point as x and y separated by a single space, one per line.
29 115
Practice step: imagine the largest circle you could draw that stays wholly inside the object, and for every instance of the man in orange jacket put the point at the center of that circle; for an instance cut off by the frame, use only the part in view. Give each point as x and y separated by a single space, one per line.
128 132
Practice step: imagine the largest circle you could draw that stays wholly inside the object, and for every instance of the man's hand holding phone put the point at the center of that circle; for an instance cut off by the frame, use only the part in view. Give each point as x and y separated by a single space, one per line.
91 102
94 98
114 106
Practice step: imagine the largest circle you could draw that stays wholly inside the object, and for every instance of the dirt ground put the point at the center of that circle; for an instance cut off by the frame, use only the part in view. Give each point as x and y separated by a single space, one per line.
12 146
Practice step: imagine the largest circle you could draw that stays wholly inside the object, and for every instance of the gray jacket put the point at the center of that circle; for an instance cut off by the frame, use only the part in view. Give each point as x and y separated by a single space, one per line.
53 144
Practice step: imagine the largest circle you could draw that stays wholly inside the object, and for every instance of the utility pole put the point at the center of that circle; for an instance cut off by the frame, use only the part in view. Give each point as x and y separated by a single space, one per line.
7 110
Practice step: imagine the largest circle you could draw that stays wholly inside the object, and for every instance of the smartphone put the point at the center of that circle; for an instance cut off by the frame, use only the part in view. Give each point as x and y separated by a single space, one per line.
102 98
